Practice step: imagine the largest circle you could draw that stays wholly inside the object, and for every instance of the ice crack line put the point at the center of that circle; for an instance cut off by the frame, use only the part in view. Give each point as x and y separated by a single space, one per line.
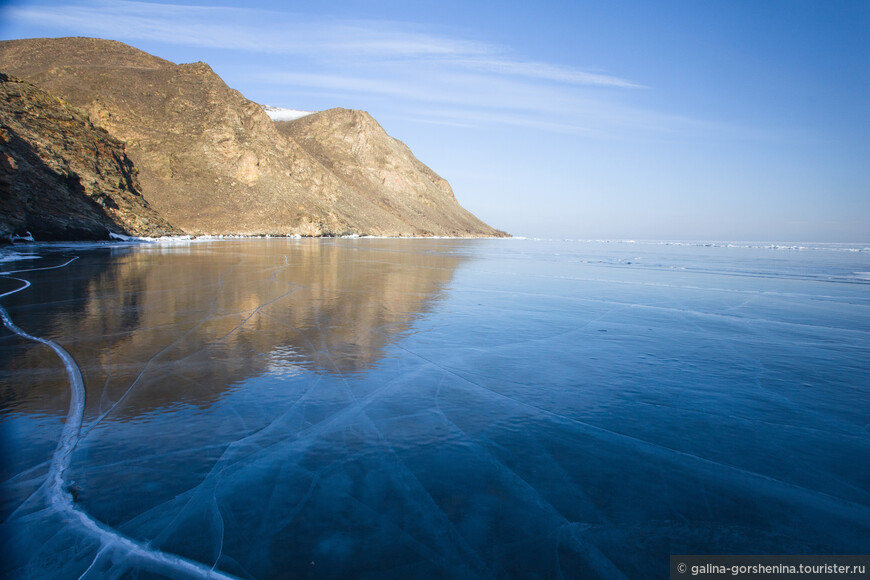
61 499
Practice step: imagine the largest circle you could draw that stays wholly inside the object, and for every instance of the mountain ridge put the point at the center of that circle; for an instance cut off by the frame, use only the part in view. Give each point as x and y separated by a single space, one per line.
212 162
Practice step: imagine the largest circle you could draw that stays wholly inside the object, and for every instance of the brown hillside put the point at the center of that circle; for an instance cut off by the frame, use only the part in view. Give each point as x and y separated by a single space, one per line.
354 147
212 162
61 178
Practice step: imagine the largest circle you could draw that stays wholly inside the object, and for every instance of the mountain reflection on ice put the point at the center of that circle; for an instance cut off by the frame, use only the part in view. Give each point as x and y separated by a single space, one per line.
438 408
191 321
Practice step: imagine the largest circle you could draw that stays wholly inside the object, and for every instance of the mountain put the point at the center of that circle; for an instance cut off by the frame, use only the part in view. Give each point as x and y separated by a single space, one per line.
63 178
212 162
356 149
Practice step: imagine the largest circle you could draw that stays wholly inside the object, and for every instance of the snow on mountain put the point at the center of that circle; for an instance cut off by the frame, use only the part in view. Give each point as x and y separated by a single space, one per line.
280 114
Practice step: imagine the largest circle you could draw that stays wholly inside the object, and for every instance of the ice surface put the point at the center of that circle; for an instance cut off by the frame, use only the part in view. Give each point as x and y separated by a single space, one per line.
369 408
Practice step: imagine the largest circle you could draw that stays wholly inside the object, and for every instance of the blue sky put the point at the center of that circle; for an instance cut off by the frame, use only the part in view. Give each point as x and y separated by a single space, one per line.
737 120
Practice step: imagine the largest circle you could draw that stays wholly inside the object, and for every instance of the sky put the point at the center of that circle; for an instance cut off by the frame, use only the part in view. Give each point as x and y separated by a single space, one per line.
675 120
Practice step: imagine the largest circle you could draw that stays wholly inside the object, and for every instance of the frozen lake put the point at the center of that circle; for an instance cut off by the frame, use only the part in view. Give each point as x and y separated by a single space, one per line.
430 408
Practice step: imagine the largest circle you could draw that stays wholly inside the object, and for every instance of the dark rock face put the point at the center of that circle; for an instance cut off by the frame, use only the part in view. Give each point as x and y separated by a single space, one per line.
212 162
61 178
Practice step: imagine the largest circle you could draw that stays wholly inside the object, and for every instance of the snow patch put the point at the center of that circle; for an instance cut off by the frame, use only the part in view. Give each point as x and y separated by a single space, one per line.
27 238
281 114
126 238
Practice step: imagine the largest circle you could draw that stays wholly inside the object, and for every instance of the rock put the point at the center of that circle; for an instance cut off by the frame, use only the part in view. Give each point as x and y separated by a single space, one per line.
61 178
380 169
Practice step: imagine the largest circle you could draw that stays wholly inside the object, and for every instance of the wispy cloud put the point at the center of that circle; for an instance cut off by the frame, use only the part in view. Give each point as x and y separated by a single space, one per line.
250 29
263 31
415 70
545 71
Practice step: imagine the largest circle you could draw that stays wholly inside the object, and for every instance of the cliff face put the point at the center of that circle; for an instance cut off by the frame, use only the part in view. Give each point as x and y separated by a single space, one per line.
212 162
61 177
383 171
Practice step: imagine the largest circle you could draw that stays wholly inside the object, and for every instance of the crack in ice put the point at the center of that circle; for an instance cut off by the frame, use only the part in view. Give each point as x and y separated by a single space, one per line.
647 445
59 497
162 351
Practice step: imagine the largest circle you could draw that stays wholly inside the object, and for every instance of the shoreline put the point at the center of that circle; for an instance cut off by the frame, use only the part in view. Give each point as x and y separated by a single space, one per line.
20 241
117 240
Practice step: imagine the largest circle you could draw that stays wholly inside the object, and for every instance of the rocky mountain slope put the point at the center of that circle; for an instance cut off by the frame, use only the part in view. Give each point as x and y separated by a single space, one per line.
356 149
212 162
63 178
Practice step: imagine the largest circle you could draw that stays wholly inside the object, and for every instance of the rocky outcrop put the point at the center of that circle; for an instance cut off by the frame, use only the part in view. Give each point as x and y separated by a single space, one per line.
403 191
61 178
212 162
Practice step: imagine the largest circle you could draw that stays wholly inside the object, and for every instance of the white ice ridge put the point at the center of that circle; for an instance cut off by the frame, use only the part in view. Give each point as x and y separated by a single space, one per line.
59 496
